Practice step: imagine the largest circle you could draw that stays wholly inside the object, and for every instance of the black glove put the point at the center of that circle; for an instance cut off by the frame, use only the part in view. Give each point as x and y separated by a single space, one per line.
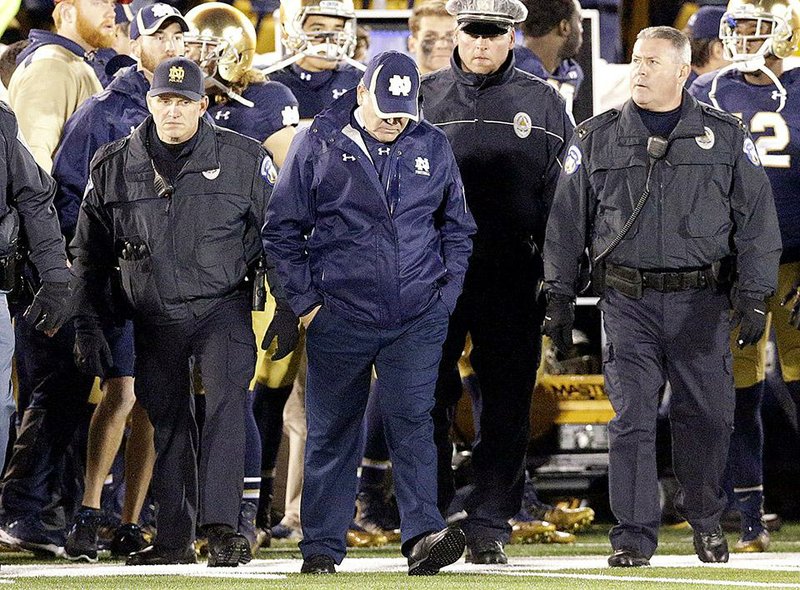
285 327
91 351
558 320
751 316
50 307
793 295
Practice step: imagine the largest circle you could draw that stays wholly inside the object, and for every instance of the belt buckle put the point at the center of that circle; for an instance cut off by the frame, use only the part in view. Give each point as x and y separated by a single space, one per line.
672 281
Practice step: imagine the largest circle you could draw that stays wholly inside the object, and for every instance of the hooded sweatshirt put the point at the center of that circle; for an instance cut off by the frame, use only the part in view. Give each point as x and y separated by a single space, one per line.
52 78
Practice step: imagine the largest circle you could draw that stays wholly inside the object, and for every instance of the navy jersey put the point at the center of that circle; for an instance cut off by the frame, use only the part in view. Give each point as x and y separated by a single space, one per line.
315 91
776 136
275 107
566 79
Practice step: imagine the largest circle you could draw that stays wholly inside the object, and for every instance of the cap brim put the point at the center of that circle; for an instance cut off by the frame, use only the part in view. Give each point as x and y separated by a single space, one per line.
156 26
484 27
193 96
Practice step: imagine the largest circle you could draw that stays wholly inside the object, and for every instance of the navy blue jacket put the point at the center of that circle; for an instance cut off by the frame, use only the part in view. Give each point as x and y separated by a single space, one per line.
337 241
103 118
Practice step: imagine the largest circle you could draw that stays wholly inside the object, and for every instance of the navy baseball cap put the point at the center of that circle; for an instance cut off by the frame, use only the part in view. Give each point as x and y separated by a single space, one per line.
180 76
704 24
392 79
151 18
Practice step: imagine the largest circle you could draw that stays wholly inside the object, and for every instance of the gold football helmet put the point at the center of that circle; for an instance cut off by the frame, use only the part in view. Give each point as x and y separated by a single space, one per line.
332 45
751 31
225 37
775 29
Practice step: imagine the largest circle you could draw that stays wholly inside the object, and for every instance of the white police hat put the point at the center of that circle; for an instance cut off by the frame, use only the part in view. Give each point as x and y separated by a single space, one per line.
505 13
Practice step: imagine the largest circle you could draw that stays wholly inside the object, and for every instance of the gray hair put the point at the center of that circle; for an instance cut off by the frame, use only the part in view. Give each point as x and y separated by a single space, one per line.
679 41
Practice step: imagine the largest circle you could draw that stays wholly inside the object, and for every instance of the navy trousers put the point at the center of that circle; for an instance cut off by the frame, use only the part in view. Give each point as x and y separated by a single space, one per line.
684 338
341 355
222 341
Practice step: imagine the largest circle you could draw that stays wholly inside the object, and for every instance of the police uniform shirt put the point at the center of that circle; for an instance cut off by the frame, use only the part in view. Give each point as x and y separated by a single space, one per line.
776 136
316 90
274 107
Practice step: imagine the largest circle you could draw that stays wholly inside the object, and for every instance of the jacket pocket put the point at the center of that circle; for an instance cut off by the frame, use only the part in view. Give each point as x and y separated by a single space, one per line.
139 285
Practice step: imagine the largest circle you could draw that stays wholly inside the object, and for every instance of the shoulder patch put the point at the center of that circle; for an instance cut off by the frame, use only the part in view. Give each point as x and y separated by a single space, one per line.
596 122
749 149
573 160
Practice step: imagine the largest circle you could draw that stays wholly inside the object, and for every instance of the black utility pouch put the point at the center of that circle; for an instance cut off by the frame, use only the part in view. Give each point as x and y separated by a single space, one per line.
9 250
627 281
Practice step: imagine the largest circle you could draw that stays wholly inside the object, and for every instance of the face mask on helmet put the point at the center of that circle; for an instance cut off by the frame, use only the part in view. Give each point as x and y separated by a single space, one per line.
221 40
752 29
319 28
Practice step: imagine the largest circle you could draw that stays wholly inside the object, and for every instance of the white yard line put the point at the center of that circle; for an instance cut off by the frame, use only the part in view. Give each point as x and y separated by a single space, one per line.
551 566
618 579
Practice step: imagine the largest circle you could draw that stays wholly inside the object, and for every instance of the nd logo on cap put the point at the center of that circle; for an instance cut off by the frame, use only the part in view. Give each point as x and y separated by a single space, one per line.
176 74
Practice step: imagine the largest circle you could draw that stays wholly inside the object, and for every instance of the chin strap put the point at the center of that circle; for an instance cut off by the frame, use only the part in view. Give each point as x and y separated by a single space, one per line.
751 65
230 93
320 51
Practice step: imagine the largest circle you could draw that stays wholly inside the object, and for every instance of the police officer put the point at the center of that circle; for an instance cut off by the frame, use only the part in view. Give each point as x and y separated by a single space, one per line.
692 175
27 200
177 206
508 130
156 35
370 230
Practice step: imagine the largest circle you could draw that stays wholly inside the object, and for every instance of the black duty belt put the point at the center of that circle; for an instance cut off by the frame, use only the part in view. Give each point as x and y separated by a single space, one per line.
632 281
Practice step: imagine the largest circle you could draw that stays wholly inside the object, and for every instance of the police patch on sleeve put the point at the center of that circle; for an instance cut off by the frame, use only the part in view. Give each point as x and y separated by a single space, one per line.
268 171
573 161
751 152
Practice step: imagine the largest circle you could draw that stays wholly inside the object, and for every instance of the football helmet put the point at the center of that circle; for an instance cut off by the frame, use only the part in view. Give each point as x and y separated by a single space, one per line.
225 37
775 31
331 45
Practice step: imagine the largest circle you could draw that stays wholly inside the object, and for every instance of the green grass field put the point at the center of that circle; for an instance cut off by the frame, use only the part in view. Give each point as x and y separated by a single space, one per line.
547 567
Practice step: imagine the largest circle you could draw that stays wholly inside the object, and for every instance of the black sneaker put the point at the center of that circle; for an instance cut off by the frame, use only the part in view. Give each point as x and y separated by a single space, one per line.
711 547
318 564
486 552
435 551
127 539
82 538
226 547
155 555
628 558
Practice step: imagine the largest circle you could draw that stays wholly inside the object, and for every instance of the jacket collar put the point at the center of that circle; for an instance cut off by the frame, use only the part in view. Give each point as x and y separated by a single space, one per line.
632 130
40 38
204 157
482 81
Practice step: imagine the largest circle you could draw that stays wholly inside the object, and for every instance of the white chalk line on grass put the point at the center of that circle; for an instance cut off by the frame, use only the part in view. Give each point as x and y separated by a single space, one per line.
696 582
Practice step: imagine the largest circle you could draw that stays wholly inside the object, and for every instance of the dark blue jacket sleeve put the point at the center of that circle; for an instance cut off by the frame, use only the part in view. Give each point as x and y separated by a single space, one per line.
288 222
456 230
79 142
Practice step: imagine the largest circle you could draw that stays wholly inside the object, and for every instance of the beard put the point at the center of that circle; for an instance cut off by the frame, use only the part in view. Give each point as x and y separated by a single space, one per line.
571 46
93 36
